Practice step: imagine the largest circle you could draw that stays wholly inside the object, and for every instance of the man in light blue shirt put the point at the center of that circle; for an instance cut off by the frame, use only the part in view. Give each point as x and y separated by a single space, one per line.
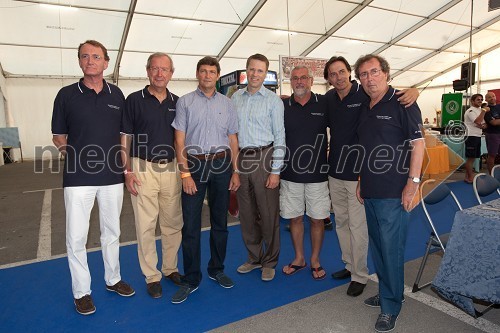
206 145
262 148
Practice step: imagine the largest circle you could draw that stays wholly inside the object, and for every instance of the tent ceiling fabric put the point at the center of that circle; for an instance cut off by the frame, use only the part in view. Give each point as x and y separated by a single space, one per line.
420 39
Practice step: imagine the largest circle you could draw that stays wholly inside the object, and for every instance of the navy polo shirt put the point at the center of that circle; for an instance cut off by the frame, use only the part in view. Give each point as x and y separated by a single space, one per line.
343 120
91 122
489 116
306 140
385 132
149 123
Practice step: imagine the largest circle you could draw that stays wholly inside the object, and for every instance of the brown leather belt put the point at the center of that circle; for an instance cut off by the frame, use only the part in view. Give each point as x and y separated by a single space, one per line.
214 156
162 161
253 150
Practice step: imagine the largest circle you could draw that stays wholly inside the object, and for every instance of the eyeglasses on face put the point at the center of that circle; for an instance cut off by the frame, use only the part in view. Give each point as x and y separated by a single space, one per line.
373 73
87 57
163 70
301 78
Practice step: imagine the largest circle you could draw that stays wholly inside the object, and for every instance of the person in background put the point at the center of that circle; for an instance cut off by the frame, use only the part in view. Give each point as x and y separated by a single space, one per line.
262 148
344 108
86 129
304 181
492 119
206 142
151 174
391 142
474 121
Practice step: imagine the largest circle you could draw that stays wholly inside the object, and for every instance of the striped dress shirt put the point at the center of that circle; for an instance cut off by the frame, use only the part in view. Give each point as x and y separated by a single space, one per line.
261 122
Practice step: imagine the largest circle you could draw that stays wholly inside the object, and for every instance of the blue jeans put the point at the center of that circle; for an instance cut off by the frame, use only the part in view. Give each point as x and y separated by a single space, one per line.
212 176
387 228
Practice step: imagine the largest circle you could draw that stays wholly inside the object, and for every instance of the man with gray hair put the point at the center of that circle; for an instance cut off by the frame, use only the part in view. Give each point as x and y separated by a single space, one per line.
393 151
150 171
304 178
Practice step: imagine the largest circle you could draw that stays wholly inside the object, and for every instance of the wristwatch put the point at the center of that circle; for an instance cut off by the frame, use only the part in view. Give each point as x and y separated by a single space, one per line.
416 180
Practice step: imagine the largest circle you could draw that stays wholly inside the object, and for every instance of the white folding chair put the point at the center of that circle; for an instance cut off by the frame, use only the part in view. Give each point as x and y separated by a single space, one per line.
484 185
435 243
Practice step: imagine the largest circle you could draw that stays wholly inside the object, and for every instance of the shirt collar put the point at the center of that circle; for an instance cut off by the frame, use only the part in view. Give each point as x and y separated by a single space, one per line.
388 95
145 92
354 89
201 93
312 99
83 88
262 90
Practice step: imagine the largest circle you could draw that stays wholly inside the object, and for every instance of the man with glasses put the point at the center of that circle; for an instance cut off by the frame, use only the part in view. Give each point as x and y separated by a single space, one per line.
344 105
392 150
206 143
86 129
151 175
474 121
304 181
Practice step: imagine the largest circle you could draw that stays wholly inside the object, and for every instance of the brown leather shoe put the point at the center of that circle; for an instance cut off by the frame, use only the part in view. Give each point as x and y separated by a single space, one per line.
154 289
84 305
175 277
122 289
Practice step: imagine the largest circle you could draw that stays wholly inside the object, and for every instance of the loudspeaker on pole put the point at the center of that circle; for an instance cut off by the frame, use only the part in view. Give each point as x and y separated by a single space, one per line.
468 68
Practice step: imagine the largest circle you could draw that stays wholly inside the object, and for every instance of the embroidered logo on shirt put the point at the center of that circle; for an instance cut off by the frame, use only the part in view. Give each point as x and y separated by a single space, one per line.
353 105
384 117
317 114
171 110
114 107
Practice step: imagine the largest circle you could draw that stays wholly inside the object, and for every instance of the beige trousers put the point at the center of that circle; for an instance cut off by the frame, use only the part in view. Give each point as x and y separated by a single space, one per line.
351 227
158 200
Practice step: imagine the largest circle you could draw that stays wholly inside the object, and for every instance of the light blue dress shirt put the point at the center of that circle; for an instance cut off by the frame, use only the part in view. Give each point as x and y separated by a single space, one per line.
261 121
207 121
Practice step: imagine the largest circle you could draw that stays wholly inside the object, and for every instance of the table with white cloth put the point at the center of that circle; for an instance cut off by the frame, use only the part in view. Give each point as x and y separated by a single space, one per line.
470 268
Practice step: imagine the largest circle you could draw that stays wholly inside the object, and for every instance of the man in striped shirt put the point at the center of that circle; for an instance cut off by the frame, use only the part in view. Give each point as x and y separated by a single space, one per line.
262 147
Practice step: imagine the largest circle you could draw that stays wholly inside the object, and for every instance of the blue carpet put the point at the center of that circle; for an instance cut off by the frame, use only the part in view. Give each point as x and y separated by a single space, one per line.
37 297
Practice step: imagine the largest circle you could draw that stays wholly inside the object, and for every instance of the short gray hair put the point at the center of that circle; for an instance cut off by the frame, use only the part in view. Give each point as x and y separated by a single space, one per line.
309 71
157 55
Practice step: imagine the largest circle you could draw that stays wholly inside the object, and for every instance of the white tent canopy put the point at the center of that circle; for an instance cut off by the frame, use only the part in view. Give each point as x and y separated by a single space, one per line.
424 41
420 39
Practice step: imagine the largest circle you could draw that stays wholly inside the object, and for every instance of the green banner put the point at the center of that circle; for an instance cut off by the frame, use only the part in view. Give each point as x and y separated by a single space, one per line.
451 106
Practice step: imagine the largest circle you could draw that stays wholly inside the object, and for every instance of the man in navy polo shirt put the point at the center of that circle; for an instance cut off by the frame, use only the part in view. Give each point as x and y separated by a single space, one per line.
206 143
392 145
86 129
344 105
492 118
151 175
304 178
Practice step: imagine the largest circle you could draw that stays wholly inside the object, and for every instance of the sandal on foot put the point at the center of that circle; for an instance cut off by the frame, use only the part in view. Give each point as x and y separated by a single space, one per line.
295 268
317 270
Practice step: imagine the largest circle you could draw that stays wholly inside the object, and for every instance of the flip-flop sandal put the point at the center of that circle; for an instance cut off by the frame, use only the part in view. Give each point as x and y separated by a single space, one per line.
317 270
295 267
